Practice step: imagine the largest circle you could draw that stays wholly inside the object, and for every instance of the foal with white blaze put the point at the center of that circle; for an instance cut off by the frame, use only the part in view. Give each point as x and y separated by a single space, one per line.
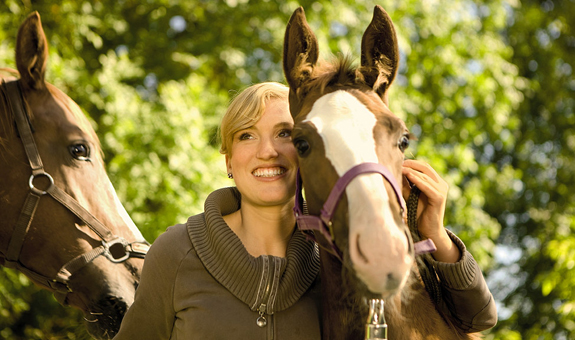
350 150
351 134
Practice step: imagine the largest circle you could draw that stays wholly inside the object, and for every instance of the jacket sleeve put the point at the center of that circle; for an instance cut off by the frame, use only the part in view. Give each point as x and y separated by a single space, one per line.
466 297
152 314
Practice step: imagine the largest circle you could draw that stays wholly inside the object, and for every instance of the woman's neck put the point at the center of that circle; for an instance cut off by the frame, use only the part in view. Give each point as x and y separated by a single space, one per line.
263 230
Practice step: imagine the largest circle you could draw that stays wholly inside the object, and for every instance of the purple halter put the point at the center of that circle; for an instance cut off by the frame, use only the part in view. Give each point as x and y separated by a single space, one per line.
308 223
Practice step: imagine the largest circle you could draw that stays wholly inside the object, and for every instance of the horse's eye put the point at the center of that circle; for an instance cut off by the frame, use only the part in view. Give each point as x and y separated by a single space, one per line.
403 143
302 146
80 151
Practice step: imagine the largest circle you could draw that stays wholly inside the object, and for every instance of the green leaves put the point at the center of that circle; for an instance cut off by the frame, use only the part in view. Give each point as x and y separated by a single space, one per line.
486 86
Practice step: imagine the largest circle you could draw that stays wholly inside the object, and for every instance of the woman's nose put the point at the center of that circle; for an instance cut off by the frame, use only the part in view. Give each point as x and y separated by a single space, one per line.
267 149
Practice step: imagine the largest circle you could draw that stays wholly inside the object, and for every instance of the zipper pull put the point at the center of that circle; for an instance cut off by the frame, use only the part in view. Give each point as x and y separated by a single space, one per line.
261 321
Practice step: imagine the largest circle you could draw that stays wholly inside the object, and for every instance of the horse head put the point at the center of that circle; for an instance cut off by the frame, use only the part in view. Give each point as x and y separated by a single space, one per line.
342 120
75 238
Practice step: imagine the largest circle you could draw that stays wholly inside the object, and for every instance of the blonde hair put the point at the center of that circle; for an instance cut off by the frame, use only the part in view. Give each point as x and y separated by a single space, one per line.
246 109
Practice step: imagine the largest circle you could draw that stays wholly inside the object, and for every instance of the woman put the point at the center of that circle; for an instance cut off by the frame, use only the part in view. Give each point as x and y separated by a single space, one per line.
240 270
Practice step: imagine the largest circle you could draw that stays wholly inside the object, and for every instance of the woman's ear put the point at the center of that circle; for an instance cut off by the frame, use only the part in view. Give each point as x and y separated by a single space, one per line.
228 165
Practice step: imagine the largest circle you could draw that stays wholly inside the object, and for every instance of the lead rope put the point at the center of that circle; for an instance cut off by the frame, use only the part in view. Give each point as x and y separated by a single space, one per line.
424 262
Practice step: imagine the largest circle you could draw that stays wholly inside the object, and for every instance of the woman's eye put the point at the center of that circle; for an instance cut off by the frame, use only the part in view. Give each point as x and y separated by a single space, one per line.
403 143
80 151
245 136
285 133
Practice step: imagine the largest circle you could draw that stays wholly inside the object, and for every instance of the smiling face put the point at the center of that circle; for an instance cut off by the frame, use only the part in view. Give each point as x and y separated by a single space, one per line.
263 159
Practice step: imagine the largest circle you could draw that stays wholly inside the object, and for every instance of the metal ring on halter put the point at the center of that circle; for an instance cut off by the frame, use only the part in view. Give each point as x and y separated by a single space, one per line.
38 191
113 250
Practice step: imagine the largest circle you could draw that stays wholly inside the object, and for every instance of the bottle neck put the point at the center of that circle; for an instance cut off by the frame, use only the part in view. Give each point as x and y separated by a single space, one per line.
376 327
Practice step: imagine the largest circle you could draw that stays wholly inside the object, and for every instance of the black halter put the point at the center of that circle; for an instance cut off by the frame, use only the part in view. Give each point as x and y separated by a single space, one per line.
114 248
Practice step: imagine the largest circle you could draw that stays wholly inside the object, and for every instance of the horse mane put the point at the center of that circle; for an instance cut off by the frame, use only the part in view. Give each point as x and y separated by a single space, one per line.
6 121
340 72
6 127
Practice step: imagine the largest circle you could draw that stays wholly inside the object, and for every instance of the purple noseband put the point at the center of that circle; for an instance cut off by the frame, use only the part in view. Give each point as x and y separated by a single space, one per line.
309 223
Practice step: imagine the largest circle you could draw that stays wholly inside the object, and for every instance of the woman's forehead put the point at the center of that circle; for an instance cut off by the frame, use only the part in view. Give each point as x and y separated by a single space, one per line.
275 114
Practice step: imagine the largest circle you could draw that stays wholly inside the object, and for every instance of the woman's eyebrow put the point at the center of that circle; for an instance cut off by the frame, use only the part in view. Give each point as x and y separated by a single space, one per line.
288 125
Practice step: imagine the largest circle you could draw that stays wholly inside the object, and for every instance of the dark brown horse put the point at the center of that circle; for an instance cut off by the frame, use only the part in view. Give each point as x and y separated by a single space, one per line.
61 222
342 120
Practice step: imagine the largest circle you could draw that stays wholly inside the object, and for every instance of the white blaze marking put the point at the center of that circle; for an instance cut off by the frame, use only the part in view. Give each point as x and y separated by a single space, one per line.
346 127
377 246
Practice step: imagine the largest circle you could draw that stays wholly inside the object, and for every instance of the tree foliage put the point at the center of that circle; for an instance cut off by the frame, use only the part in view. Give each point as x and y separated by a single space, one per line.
486 86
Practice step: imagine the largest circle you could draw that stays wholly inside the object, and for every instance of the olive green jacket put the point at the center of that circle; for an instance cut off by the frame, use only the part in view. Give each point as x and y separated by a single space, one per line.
199 282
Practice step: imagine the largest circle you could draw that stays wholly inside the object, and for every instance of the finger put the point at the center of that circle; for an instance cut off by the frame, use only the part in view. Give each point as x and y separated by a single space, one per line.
422 167
431 175
429 188
415 177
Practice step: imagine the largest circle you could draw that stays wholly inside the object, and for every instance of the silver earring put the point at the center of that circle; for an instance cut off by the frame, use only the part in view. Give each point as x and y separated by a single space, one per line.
230 176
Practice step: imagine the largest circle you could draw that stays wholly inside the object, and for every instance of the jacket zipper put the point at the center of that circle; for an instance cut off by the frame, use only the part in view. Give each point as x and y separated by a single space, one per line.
271 327
262 320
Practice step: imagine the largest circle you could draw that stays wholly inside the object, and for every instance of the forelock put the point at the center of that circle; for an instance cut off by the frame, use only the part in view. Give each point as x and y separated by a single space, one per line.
327 76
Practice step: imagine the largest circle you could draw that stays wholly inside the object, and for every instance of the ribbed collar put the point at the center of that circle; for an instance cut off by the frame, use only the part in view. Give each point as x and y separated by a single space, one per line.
227 260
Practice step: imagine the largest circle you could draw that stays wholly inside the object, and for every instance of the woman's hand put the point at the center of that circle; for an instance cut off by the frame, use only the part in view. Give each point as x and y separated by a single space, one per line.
431 207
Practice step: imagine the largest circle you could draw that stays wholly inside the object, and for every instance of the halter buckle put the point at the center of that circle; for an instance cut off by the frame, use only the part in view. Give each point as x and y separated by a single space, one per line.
116 250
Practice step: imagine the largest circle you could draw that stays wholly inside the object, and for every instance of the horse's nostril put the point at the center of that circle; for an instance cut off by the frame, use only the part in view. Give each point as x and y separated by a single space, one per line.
105 316
359 252
392 282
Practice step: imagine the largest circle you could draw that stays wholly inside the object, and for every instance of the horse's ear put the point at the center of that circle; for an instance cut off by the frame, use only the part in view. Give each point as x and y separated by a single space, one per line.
300 50
379 53
32 52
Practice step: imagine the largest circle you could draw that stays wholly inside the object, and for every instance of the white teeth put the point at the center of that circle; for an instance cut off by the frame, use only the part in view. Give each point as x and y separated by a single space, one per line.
268 172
